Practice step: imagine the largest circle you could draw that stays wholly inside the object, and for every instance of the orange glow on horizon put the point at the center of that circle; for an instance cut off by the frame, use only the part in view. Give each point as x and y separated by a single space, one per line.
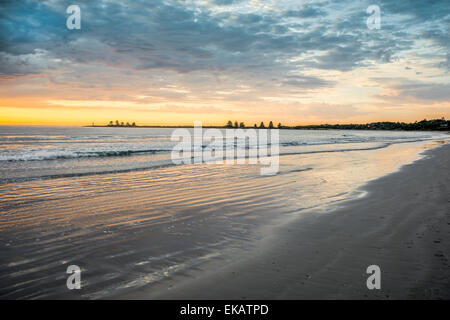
60 116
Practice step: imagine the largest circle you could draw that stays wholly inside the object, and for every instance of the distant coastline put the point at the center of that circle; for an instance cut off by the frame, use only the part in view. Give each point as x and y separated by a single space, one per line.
423 125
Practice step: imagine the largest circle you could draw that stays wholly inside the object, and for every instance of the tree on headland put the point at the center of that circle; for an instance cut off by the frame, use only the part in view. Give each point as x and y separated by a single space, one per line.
435 125
120 124
440 124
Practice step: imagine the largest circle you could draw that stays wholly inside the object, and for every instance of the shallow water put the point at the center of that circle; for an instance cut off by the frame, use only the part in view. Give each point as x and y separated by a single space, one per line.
52 152
111 201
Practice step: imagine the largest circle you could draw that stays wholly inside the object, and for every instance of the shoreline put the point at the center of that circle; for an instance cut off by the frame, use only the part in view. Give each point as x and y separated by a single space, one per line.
267 128
402 225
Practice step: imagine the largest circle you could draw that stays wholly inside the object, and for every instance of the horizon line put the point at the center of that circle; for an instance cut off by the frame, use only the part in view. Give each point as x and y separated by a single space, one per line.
216 125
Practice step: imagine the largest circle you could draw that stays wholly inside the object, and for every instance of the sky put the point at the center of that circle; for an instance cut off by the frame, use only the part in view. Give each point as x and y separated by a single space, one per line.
174 62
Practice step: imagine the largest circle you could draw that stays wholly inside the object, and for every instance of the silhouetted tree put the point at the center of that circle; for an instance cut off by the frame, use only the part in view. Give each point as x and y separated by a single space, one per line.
128 124
229 124
235 124
133 124
279 125
122 124
241 125
262 125
270 125
436 124
110 124
117 123
255 126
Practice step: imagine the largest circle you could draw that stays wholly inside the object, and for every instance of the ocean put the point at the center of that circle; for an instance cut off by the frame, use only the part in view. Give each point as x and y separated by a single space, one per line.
111 201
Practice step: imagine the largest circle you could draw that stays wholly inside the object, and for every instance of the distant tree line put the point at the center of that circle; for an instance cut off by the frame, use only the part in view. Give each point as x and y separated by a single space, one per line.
435 125
120 124
430 125
230 124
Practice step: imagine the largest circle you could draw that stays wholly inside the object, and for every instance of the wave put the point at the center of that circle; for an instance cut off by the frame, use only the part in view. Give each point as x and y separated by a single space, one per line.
67 154
72 138
83 174
171 164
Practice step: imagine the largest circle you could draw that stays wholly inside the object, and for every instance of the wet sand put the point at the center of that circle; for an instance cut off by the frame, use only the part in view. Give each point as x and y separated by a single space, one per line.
402 225
201 231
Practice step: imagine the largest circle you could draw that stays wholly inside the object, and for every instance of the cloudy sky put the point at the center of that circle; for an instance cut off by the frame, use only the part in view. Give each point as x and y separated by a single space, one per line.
176 61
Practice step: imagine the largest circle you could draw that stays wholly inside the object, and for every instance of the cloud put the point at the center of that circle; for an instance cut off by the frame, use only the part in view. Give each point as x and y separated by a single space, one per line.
404 90
226 2
277 49
420 11
143 35
307 82
425 91
334 111
307 11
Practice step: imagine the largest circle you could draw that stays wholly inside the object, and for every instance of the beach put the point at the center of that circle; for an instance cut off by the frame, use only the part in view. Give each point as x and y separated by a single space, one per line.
401 225
224 150
111 202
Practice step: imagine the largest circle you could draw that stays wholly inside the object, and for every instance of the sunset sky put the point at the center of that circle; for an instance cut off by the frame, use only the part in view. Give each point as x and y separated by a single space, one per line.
174 62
